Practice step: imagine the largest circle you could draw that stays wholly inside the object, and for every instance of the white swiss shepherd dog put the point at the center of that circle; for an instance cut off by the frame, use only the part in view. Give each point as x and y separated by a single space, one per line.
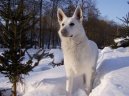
80 54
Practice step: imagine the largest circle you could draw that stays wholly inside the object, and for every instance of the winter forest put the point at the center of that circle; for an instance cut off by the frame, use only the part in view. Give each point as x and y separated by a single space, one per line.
31 58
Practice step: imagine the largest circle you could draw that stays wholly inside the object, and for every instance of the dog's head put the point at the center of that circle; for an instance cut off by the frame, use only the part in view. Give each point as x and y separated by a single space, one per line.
70 26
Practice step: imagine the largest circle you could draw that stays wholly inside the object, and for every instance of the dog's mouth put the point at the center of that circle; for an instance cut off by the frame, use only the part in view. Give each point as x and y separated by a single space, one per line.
65 35
71 36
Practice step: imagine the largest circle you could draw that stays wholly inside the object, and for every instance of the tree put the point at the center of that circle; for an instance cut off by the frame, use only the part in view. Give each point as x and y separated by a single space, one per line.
125 41
53 35
125 32
40 32
16 23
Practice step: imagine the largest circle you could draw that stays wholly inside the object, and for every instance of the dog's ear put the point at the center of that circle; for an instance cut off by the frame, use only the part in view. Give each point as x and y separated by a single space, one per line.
78 14
60 15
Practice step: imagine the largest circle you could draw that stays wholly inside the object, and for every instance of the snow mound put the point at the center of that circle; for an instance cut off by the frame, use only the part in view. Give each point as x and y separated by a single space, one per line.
58 55
112 78
112 74
113 84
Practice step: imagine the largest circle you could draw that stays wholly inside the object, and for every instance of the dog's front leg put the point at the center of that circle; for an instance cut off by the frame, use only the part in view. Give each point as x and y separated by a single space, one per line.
89 81
69 86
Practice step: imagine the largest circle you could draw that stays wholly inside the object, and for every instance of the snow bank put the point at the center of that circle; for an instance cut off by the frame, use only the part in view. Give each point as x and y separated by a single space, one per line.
112 74
112 77
114 83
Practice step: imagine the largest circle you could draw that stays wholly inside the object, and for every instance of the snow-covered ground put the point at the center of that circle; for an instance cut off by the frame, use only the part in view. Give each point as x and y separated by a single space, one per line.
112 78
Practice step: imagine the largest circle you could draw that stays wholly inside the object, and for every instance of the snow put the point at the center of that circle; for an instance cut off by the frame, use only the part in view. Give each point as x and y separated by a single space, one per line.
118 39
122 42
112 78
58 55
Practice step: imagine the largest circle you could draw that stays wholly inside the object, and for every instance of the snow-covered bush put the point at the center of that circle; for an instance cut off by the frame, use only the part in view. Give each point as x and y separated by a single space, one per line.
121 42
57 56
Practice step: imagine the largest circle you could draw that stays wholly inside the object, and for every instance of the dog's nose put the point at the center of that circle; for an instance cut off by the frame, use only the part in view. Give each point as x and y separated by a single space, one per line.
64 32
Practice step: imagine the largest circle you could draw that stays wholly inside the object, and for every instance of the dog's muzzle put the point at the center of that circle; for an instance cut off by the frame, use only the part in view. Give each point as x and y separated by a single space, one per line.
65 33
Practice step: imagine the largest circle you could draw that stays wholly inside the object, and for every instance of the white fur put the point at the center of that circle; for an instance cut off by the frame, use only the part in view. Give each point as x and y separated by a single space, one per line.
80 54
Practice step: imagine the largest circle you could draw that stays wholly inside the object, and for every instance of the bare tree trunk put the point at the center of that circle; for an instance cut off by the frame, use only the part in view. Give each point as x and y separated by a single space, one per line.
33 26
50 35
14 89
52 38
40 32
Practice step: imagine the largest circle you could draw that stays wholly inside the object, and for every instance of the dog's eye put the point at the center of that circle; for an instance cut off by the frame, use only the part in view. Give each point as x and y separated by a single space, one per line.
71 24
62 24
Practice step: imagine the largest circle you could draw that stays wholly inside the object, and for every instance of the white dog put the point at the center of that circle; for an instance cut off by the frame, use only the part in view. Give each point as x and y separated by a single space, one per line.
80 54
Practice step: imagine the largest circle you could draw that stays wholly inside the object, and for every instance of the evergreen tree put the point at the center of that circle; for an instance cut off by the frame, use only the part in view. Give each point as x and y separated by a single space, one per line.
16 22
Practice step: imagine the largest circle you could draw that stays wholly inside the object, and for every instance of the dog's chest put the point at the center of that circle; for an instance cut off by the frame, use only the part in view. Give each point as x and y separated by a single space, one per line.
75 53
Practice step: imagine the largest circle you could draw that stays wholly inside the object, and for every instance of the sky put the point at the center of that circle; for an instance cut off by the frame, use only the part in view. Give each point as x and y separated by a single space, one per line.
111 9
